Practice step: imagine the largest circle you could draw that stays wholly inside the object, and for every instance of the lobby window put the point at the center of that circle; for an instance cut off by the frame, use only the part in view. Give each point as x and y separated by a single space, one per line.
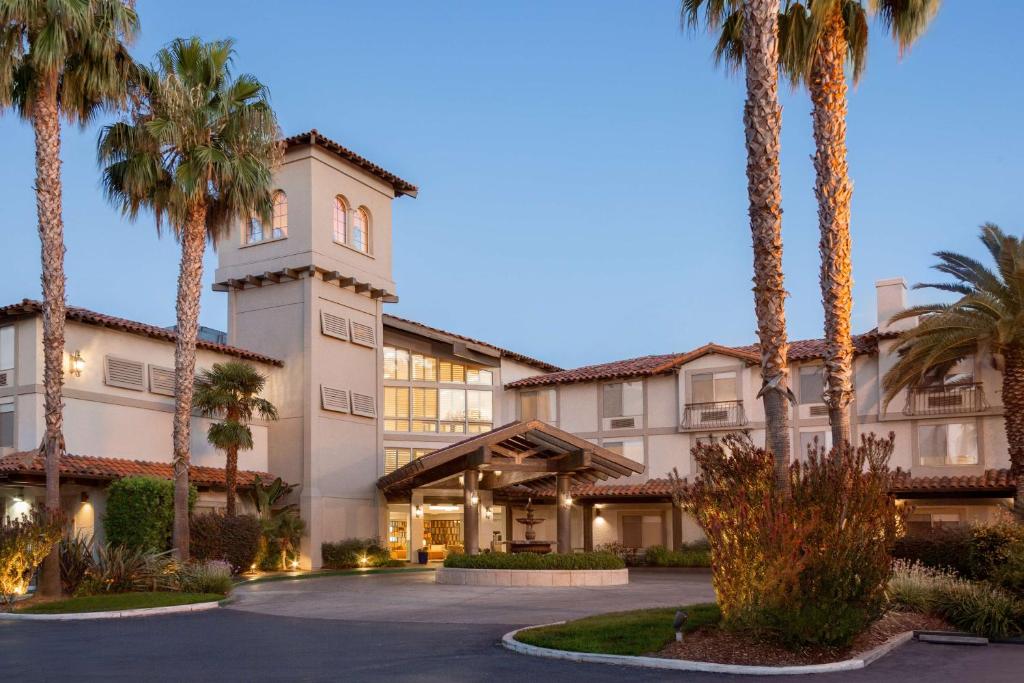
399 457
6 347
453 373
396 409
396 363
340 220
361 231
479 376
541 404
424 410
812 384
479 411
712 387
453 410
947 444
424 368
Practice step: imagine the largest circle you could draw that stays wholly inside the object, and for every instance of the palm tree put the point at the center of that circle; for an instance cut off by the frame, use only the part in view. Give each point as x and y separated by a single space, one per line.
762 121
988 316
231 391
818 39
198 150
60 59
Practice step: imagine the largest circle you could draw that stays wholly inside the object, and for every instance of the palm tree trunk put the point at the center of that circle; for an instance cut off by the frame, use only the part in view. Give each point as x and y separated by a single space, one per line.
762 120
231 479
1013 420
193 244
46 125
833 190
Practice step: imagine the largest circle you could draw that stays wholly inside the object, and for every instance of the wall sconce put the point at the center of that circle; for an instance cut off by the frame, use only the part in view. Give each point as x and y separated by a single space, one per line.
417 511
488 513
84 498
597 513
462 480
474 499
567 501
76 364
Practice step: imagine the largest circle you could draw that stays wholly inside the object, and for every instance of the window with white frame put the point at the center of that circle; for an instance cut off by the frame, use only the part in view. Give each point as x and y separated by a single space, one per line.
340 220
7 424
623 399
712 387
925 519
278 229
812 384
817 439
6 347
539 404
630 448
396 409
396 363
361 231
399 457
955 443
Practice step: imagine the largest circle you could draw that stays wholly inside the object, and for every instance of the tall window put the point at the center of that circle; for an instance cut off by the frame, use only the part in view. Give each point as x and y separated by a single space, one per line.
361 231
6 347
280 215
623 399
7 425
539 405
396 409
424 368
396 363
812 384
948 444
424 410
710 387
340 220
453 410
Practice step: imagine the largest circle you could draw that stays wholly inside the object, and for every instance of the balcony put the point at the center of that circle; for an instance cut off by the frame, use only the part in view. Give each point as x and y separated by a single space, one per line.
715 415
949 399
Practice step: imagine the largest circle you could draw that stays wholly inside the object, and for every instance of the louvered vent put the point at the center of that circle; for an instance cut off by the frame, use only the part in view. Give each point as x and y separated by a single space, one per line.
714 415
334 325
946 401
124 373
334 399
5 379
363 334
161 380
363 405
622 423
818 411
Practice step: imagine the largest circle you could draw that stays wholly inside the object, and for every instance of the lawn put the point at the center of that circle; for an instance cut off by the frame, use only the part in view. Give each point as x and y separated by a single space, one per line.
620 633
118 601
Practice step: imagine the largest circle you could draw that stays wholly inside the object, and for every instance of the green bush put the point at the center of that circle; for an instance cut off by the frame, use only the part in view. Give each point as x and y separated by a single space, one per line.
974 552
1010 575
25 541
594 560
660 556
354 552
205 577
75 562
234 540
120 569
140 513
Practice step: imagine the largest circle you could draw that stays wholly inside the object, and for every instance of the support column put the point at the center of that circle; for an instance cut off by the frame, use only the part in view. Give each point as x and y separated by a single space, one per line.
508 523
470 512
677 528
564 514
588 527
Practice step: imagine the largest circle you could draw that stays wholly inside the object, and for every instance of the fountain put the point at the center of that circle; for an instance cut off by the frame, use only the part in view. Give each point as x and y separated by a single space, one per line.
531 544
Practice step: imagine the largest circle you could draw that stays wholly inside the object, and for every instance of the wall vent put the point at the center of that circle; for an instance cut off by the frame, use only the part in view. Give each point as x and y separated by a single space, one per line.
818 411
161 380
334 399
622 423
5 379
124 373
363 405
334 325
363 334
714 416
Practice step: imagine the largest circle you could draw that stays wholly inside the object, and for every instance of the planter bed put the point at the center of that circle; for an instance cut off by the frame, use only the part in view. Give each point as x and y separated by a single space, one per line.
115 605
532 578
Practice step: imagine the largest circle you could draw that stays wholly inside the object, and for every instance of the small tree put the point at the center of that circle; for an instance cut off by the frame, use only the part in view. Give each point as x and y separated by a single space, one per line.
231 391
140 513
25 542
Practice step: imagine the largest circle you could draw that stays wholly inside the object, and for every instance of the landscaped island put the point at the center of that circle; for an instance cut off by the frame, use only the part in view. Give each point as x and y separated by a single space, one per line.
531 569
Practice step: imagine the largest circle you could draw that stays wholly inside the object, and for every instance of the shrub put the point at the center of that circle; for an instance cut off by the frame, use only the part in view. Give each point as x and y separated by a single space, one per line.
354 552
279 545
75 562
140 513
205 577
632 557
25 542
660 556
1010 575
594 560
990 546
941 548
234 540
120 569
804 567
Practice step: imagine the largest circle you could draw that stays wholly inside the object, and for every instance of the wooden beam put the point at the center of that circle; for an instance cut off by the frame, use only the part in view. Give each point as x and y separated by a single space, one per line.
273 277
480 457
331 275
362 287
346 281
376 293
236 284
254 280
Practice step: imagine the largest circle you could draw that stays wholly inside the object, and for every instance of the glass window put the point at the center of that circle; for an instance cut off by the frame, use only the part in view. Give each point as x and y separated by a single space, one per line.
623 399
807 441
396 409
280 215
539 405
453 405
396 363
630 448
395 458
255 232
709 387
420 452
479 406
812 384
948 444
340 219
453 373
480 427
6 347
424 410
477 376
6 425
424 368
361 231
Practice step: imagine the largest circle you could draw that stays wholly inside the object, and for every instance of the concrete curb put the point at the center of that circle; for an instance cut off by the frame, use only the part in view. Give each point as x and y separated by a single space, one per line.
532 578
510 643
118 614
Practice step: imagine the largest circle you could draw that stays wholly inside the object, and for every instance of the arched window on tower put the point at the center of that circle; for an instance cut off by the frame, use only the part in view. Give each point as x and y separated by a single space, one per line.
361 231
340 220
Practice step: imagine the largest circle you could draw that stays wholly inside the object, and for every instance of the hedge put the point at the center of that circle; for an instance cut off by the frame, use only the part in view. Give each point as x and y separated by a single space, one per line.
234 540
660 556
354 552
140 512
973 552
595 560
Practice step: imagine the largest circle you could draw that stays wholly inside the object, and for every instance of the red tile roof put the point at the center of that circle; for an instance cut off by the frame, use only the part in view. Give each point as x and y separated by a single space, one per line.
83 315
107 469
648 366
504 352
313 137
989 481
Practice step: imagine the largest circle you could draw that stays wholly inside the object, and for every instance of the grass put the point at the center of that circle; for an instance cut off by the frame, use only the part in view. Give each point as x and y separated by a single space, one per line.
330 572
119 601
620 633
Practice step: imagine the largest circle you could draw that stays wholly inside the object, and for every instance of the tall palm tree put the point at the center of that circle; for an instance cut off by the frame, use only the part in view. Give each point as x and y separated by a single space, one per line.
198 150
818 40
231 392
60 59
988 316
762 121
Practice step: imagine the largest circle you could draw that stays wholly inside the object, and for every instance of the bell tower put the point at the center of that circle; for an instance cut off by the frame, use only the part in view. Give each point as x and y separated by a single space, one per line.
309 290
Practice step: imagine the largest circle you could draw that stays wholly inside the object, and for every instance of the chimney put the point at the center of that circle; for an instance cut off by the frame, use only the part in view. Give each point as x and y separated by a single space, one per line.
891 295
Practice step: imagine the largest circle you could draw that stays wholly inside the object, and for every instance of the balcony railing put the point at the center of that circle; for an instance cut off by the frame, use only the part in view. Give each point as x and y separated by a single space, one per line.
715 415
949 399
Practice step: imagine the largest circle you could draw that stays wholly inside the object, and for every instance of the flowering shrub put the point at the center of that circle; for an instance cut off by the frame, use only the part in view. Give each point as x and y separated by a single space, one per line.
807 566
25 542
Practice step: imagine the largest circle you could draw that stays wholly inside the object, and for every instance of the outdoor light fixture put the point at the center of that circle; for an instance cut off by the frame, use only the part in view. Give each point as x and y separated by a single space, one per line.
76 364
295 564
597 513
84 497
363 560
417 511
567 501
462 480
678 624
474 499
489 513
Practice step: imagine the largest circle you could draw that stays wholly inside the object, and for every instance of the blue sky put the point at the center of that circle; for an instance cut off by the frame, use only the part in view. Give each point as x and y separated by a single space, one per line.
581 166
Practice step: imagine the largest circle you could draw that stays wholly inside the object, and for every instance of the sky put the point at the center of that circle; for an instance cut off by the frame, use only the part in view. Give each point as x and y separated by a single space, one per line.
580 163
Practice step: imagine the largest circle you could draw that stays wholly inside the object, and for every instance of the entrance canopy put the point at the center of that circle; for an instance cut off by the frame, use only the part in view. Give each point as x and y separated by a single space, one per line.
515 453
